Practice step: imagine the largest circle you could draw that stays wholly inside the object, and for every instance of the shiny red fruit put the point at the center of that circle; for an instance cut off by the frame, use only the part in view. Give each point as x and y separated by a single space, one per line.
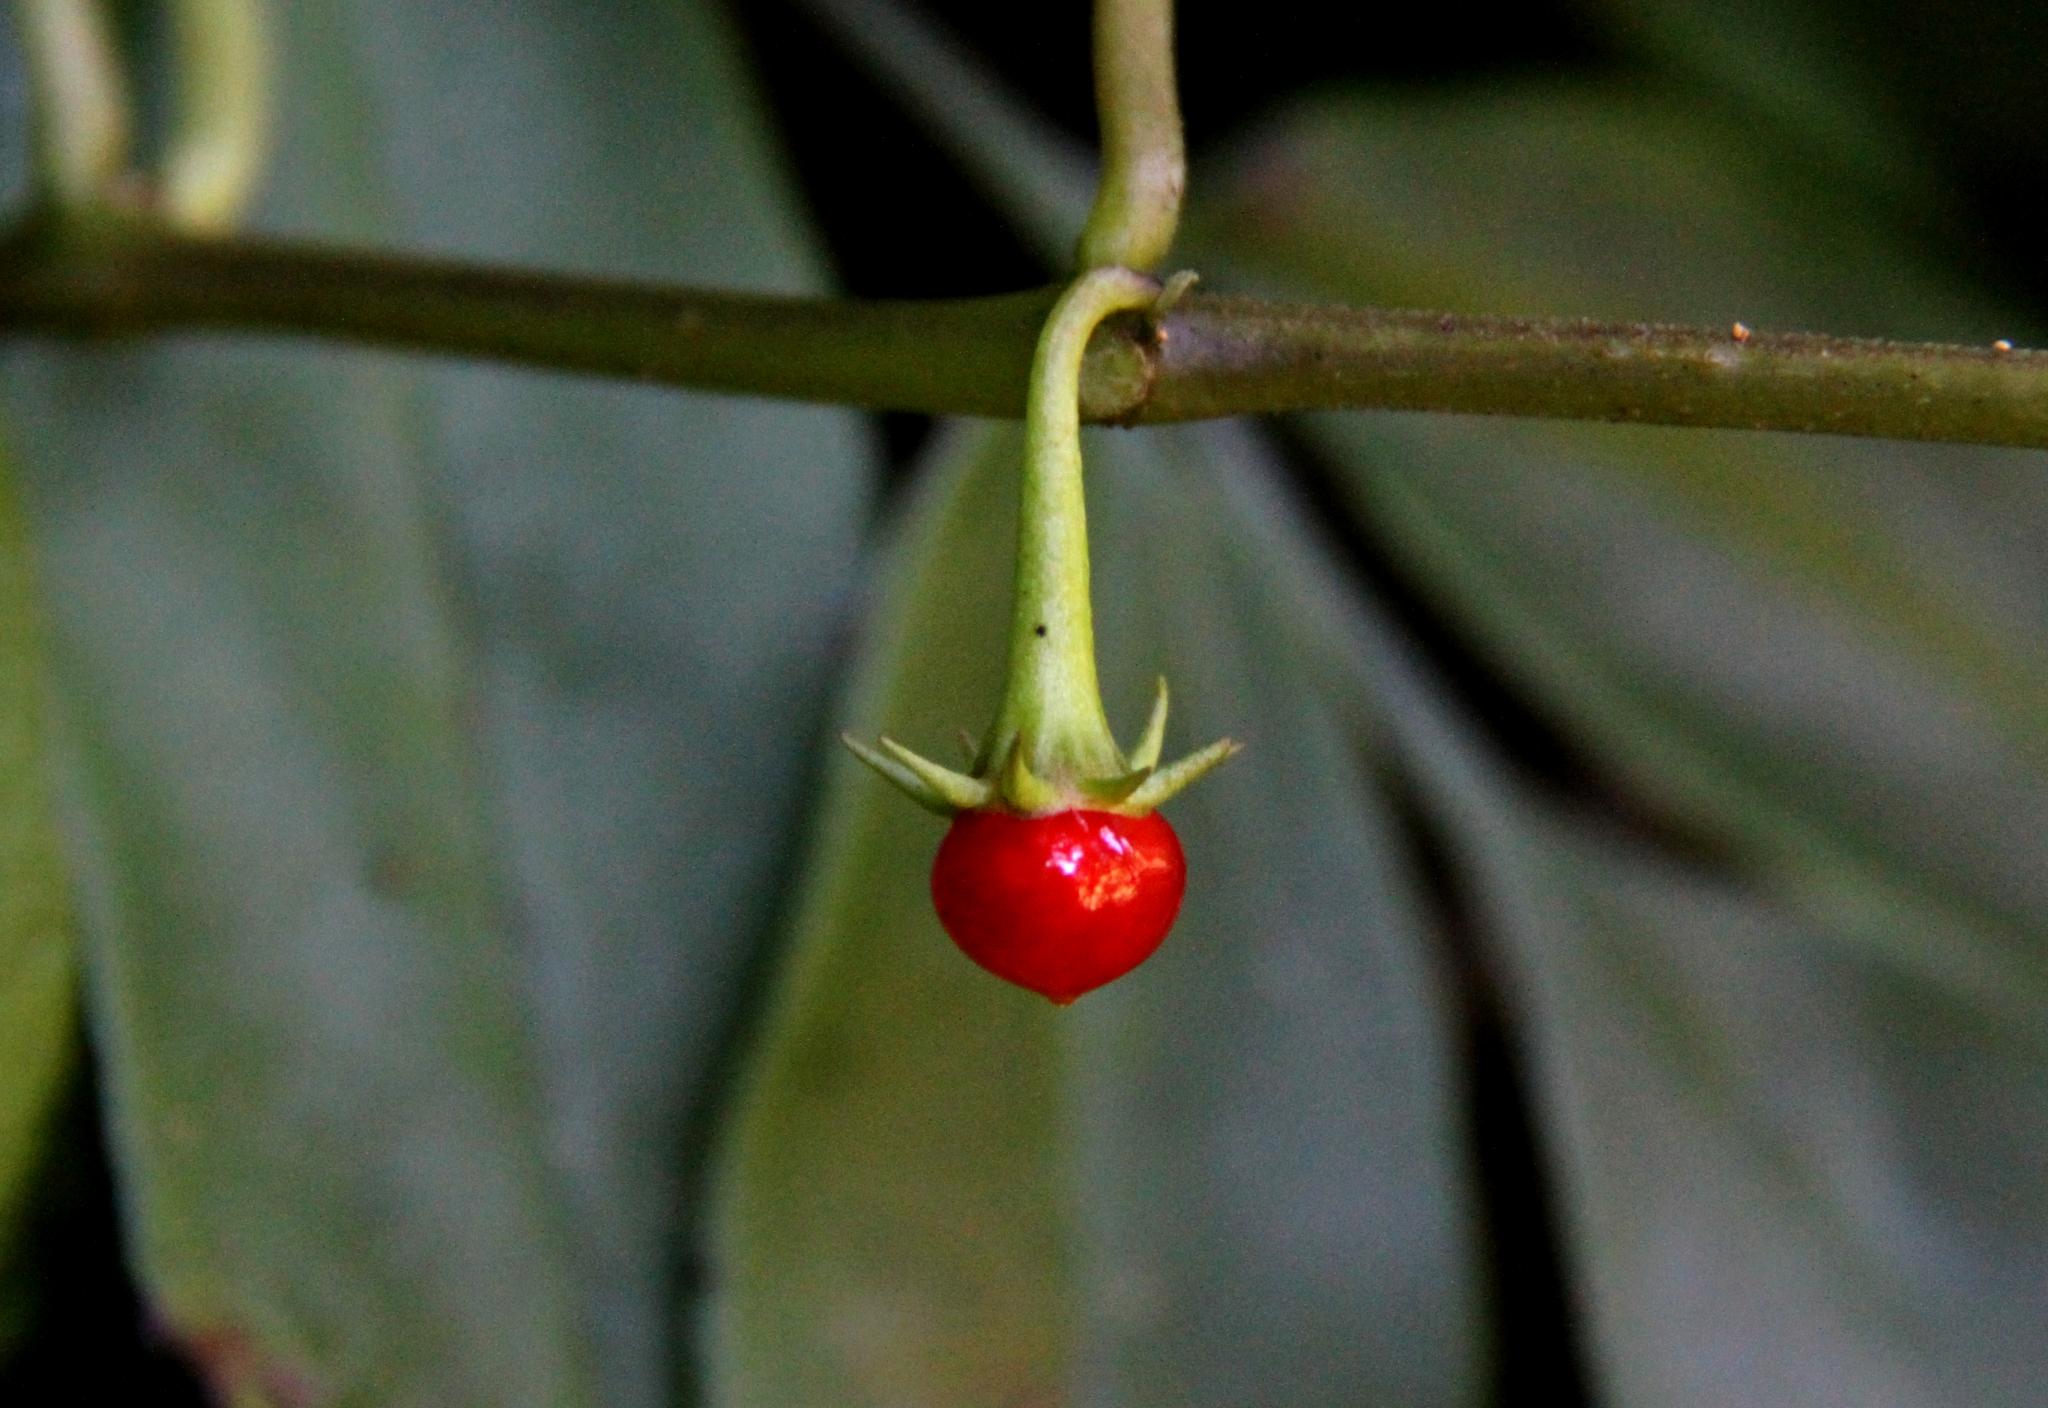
1059 904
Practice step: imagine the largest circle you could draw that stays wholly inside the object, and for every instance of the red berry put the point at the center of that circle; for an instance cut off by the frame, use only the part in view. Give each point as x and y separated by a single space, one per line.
1059 904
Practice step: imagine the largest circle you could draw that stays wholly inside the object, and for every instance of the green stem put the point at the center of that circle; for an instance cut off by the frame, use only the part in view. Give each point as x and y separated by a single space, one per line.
81 110
1144 161
1214 356
219 131
1051 701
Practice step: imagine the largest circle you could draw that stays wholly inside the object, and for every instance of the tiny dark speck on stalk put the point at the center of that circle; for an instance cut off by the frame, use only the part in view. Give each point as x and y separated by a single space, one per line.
1039 628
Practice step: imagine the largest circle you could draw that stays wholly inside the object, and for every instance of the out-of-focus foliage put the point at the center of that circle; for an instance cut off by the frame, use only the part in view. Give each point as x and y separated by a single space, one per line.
36 983
1826 663
443 731
467 876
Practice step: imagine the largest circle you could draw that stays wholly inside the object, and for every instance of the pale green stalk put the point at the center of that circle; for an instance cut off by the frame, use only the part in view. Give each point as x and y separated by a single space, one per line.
1144 159
83 125
1051 699
219 134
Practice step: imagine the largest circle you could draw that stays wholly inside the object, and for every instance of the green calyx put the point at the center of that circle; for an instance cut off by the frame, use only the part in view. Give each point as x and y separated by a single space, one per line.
1050 748
1133 785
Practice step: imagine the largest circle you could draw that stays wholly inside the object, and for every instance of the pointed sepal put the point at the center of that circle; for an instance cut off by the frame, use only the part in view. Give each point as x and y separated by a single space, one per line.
1114 791
1022 789
1145 757
933 787
964 793
1175 777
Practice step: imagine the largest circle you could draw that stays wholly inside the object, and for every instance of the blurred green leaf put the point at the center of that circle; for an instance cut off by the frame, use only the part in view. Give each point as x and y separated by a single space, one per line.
321 1096
1568 198
1935 93
1237 1169
1829 650
1823 659
1797 72
418 913
657 578
1793 1172
1799 1175
37 994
